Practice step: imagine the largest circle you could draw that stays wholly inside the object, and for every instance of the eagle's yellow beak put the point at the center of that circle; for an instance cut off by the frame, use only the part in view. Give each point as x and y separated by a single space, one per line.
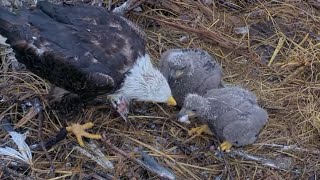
171 101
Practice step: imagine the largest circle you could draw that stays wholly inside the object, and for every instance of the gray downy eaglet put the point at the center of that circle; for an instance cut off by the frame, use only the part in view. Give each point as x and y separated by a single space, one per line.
231 113
190 71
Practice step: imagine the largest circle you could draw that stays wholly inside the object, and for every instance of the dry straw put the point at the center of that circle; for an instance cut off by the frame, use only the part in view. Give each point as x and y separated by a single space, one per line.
275 53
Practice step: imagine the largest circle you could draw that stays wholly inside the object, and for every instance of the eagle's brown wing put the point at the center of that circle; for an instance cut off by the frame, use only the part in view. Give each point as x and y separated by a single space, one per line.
78 14
83 49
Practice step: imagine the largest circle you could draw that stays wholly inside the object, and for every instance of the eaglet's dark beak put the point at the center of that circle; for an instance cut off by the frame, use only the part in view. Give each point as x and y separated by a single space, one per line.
185 114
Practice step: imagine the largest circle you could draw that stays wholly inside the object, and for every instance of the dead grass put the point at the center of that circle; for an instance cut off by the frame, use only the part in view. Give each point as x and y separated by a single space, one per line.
280 62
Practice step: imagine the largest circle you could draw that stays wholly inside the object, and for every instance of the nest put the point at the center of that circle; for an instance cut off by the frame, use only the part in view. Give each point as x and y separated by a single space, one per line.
268 47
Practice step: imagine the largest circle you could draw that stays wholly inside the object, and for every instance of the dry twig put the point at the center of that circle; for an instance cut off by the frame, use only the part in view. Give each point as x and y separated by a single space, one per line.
37 105
280 163
150 164
213 36
10 172
127 6
289 148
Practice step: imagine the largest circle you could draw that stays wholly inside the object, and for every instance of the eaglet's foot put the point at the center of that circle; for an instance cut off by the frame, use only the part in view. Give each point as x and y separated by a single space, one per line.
199 130
225 146
79 131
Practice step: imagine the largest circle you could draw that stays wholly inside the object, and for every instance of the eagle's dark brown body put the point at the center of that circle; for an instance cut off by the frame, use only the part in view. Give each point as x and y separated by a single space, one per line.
83 49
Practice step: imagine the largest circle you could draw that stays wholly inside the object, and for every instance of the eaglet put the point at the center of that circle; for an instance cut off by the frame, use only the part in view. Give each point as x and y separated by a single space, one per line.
231 113
190 71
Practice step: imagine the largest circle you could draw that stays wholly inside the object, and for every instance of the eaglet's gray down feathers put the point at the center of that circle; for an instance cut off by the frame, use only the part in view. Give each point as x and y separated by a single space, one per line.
190 71
232 113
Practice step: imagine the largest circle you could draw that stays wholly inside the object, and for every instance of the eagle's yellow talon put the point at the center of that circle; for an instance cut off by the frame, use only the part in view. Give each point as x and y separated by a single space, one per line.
225 146
79 130
199 130
87 125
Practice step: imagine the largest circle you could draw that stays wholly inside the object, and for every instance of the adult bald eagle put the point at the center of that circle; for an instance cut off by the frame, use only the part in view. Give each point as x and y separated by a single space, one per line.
86 50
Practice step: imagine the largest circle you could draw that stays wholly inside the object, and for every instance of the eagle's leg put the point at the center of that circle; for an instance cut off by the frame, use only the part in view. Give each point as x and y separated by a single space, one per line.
79 131
67 106
120 104
199 130
225 146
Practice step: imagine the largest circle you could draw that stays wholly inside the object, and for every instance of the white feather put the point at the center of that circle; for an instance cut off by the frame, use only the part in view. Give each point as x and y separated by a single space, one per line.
3 41
145 83
24 153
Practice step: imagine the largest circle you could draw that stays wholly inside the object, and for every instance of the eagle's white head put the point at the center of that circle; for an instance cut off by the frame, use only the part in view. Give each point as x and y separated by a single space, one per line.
146 83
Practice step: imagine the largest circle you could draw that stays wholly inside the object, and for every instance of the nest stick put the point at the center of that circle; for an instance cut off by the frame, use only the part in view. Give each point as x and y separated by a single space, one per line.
10 172
263 161
40 120
127 6
212 36
109 5
100 173
107 143
289 148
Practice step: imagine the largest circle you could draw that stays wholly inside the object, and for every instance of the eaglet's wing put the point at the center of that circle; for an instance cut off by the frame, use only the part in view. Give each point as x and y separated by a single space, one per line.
83 49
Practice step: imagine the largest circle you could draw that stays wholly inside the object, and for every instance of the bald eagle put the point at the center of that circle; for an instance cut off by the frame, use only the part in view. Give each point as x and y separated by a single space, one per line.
86 50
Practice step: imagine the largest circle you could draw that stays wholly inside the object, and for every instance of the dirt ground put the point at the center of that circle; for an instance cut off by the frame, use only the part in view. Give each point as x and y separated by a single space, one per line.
269 47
